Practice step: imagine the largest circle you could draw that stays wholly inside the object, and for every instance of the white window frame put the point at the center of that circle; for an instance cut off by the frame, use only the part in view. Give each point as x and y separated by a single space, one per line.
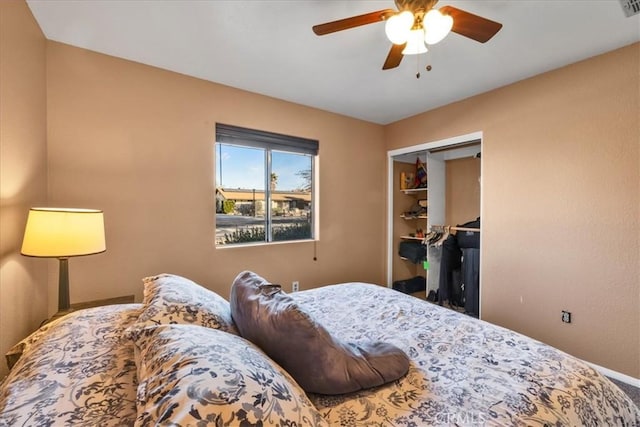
270 141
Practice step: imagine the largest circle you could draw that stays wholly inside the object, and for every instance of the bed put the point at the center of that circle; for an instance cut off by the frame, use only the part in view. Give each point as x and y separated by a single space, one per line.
178 359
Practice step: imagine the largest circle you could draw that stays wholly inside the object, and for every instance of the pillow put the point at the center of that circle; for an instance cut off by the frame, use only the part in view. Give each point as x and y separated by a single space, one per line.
76 370
320 363
169 298
15 353
189 375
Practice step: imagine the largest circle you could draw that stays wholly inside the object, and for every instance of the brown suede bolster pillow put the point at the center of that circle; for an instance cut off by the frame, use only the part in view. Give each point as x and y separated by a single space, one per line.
319 362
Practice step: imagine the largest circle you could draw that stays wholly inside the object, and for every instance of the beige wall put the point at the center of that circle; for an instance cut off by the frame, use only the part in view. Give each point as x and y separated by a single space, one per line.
462 190
23 171
561 203
138 142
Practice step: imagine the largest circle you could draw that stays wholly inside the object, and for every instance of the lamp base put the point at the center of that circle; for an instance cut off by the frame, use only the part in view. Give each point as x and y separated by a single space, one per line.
63 285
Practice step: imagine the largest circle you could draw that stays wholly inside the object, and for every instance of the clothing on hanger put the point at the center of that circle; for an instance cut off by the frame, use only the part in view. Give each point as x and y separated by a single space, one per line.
435 238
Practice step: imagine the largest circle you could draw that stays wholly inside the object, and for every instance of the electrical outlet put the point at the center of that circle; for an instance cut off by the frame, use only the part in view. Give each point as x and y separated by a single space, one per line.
566 316
295 286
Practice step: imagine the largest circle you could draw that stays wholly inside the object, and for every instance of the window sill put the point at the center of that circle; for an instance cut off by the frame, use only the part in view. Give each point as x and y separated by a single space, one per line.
263 244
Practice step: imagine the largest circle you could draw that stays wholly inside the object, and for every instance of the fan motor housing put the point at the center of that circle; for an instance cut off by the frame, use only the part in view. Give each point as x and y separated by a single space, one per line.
415 5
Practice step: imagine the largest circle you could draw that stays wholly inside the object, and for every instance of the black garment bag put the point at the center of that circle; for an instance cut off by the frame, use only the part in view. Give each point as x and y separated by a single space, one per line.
449 281
469 239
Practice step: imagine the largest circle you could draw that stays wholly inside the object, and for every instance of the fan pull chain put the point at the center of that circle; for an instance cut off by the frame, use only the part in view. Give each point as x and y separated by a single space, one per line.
428 67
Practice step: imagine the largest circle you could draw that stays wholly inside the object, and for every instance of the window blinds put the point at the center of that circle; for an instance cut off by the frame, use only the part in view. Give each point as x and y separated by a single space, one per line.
229 134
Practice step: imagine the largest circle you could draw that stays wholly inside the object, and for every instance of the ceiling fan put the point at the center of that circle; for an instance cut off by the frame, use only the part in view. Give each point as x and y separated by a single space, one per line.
415 25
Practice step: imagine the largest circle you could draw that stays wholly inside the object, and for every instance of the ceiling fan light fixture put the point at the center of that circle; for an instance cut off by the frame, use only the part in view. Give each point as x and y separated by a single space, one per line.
415 43
436 26
398 27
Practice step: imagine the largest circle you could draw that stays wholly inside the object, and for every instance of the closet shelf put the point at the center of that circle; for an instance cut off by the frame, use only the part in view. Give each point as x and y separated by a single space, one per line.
449 228
410 217
413 190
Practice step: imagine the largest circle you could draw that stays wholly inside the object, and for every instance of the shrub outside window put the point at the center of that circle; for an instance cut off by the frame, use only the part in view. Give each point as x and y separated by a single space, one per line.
264 186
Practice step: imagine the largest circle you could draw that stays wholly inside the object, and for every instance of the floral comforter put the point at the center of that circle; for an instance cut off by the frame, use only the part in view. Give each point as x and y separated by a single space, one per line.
82 370
463 372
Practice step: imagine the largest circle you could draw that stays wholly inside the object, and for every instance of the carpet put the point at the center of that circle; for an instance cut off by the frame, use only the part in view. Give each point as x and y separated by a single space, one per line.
631 391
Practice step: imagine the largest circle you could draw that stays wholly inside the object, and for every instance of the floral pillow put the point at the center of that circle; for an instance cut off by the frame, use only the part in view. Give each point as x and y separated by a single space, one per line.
22 347
172 299
76 370
189 375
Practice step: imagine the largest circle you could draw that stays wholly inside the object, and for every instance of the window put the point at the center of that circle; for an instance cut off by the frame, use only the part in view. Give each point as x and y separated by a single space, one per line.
264 186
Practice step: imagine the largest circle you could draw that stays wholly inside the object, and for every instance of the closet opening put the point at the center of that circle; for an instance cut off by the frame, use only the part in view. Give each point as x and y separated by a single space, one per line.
434 232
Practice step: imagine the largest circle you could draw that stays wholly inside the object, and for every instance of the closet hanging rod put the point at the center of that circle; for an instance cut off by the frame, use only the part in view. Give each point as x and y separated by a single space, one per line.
455 146
452 228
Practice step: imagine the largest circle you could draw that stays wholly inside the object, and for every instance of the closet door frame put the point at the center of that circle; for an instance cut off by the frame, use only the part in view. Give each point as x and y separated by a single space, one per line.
391 155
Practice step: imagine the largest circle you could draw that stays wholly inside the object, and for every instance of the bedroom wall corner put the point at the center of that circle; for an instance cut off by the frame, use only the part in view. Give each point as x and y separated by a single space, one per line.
23 171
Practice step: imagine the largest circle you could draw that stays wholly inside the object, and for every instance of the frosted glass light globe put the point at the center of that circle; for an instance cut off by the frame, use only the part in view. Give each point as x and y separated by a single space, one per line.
398 27
436 26
415 43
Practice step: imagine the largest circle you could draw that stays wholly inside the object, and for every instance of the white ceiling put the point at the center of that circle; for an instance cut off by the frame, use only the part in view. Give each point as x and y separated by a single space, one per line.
267 46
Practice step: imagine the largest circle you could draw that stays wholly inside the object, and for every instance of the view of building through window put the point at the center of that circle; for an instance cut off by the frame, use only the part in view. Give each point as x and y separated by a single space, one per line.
262 194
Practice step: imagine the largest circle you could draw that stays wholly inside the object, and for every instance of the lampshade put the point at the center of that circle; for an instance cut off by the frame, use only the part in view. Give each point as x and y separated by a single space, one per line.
415 43
398 26
63 232
436 26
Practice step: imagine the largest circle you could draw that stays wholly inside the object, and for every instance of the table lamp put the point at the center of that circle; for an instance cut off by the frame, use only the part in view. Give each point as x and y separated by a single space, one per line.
63 233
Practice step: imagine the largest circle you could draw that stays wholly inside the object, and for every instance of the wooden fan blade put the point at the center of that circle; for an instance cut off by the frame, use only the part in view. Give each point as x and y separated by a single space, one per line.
354 21
469 25
394 57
